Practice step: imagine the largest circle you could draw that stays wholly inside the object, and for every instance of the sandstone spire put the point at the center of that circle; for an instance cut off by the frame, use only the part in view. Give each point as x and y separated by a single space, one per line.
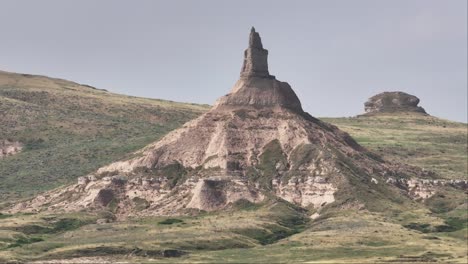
255 143
255 57
256 88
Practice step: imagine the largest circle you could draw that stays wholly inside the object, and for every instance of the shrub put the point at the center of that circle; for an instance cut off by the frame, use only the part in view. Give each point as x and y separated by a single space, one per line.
170 221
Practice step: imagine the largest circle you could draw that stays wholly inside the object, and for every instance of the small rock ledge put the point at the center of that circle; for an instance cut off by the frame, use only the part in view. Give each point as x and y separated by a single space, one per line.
8 148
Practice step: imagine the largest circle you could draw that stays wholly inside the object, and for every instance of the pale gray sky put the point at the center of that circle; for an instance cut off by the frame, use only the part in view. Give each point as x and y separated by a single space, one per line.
334 53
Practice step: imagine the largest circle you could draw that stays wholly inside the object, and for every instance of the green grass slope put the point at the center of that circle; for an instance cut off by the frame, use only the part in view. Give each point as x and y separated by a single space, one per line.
425 141
69 130
271 232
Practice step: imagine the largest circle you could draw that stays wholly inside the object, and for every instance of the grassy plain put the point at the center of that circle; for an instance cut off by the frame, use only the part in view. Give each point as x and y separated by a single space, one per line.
273 232
425 141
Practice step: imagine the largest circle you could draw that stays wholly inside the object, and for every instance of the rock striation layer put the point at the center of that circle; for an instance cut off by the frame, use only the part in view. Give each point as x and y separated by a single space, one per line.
391 102
254 144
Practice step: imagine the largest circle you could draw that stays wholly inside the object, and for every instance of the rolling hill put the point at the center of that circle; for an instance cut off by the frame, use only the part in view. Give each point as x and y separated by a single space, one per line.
68 130
425 141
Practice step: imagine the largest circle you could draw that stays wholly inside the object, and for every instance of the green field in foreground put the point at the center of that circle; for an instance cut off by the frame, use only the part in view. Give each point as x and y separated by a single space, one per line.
270 233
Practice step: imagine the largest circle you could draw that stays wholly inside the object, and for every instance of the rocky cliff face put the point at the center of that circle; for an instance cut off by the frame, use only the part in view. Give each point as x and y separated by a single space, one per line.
390 102
256 142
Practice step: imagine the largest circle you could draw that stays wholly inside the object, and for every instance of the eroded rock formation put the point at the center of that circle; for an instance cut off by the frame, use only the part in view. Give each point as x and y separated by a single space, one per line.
255 58
256 88
8 148
391 102
256 142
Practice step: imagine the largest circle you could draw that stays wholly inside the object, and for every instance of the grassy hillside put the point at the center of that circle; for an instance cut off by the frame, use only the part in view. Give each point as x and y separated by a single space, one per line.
425 141
272 232
69 130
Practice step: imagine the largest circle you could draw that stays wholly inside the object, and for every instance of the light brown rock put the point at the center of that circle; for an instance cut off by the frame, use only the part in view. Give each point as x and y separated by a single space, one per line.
391 102
8 148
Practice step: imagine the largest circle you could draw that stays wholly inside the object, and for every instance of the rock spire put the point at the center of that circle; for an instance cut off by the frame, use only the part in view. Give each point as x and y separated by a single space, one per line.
256 88
255 57
255 144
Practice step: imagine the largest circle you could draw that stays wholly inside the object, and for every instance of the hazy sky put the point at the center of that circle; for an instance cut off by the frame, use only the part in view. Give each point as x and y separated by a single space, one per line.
335 54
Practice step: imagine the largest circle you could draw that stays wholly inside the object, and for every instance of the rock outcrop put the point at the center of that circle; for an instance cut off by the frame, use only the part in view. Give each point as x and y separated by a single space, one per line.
256 142
8 148
391 102
426 188
256 88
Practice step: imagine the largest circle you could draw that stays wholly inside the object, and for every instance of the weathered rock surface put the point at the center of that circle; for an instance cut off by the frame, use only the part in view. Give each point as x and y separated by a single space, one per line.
256 142
259 93
390 102
9 148
255 58
426 188
256 88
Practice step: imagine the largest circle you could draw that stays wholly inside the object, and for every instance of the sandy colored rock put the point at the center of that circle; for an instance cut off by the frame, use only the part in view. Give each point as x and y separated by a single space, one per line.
390 102
255 58
8 148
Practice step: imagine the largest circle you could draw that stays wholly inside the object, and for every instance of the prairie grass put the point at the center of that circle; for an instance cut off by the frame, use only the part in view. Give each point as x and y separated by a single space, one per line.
431 143
69 130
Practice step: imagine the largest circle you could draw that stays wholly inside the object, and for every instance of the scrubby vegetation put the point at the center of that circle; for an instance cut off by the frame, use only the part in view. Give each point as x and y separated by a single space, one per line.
69 130
275 231
170 221
272 160
431 143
